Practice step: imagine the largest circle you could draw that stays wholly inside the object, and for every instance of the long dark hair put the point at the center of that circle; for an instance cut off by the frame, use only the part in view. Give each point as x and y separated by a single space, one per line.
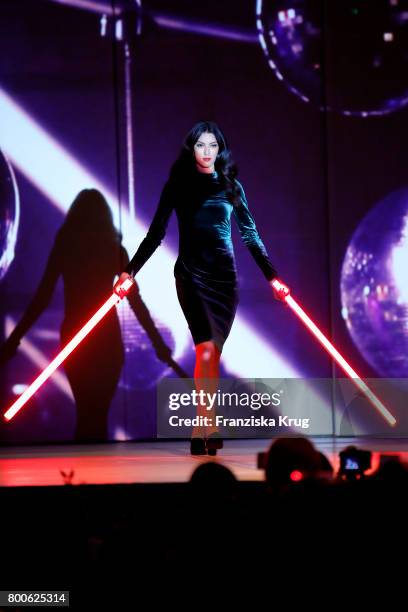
90 217
184 166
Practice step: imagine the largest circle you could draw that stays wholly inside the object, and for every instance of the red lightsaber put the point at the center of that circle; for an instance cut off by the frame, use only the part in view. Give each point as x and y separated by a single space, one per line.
72 344
391 420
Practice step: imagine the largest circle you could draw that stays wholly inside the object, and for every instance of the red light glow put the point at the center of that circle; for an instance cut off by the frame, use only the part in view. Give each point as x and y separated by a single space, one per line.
352 374
67 350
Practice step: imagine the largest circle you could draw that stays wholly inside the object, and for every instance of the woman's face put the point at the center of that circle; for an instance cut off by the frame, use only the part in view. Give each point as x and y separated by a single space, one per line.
205 151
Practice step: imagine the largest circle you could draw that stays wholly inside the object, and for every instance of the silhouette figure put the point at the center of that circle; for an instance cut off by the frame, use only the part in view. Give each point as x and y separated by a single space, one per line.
88 254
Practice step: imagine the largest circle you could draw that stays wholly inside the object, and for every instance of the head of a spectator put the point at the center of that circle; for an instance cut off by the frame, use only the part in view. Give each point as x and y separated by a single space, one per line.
291 460
213 480
392 470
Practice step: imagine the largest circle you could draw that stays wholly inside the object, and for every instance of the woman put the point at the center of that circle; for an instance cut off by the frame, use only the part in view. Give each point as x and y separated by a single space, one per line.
203 190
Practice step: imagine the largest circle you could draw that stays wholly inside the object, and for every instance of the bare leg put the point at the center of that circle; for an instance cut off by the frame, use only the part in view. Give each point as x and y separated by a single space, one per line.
206 375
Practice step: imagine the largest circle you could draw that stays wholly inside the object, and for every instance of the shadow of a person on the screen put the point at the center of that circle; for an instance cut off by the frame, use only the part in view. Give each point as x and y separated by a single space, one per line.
88 254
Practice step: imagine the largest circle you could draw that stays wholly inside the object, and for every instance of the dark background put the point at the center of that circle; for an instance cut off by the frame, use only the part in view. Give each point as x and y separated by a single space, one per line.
309 176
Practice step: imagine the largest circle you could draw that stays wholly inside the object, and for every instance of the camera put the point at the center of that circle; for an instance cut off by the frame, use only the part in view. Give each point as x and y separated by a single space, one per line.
354 462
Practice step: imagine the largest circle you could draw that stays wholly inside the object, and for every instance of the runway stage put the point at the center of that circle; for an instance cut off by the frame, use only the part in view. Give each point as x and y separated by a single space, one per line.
132 517
155 461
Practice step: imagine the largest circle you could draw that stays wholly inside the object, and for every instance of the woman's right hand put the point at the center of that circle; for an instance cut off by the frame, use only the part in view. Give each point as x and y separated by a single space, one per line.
280 290
116 287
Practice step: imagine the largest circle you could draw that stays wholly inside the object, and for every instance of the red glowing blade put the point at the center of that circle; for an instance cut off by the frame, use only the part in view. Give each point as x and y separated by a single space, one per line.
337 357
72 344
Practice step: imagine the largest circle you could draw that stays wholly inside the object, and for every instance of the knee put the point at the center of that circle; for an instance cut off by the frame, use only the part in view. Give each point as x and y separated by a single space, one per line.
206 355
206 351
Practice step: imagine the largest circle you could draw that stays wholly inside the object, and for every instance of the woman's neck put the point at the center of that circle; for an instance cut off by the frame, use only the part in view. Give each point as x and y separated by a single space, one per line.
209 170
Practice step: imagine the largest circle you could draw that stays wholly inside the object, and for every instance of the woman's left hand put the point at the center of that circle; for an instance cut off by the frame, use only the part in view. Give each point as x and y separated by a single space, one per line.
280 290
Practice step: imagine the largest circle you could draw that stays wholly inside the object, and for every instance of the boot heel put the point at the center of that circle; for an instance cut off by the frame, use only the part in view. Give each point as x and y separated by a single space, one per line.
197 446
213 443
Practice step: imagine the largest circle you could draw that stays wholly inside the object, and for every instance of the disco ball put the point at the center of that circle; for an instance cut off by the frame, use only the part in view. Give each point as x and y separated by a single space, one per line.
9 214
143 368
374 286
347 56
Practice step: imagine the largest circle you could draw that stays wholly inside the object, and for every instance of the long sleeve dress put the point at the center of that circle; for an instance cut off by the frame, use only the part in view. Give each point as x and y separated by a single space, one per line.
205 270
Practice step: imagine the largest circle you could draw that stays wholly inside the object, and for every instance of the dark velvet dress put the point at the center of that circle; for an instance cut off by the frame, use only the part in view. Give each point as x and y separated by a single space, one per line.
205 270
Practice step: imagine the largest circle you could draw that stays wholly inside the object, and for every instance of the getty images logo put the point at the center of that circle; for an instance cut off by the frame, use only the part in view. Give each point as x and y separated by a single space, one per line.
255 401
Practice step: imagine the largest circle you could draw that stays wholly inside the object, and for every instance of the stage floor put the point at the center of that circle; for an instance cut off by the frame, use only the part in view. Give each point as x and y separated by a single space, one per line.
155 461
